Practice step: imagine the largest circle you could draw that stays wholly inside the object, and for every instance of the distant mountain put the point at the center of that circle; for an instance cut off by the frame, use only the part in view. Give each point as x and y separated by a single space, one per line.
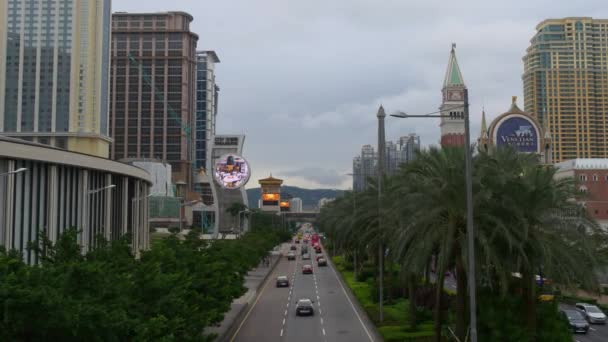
310 197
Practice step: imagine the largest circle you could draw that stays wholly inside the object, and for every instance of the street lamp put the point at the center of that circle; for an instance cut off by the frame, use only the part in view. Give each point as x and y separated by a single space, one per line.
469 203
23 169
101 189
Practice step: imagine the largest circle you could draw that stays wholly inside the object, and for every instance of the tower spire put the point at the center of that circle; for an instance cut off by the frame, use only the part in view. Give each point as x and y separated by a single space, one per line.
453 76
484 127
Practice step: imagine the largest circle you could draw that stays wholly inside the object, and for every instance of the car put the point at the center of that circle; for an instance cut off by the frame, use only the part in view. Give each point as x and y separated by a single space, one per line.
321 262
577 322
282 281
291 256
307 269
297 240
304 307
591 313
304 250
306 256
293 247
319 256
318 249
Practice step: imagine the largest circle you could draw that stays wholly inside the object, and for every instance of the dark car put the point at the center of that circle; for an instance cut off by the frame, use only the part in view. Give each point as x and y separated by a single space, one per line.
293 247
577 322
319 257
282 281
304 250
291 256
318 249
321 262
307 269
304 307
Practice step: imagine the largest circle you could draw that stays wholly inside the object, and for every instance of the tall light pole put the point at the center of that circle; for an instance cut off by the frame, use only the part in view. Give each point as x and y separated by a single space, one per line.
381 164
94 191
469 204
23 169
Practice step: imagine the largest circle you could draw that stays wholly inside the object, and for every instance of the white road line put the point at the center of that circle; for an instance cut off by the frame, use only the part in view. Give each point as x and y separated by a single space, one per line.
287 304
251 309
351 304
320 312
591 328
324 331
321 317
285 312
281 332
318 299
283 321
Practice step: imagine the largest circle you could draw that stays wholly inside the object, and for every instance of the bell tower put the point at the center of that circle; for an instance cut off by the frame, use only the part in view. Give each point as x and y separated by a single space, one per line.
452 127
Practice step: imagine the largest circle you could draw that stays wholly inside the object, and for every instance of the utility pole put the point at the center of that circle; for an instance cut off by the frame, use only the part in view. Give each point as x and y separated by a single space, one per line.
381 164
470 228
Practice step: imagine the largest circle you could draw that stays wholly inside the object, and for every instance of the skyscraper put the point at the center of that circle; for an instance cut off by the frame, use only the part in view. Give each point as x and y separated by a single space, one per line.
153 90
54 60
207 93
566 83
452 127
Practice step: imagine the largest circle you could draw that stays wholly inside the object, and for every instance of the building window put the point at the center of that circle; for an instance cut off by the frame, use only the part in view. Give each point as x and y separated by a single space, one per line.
582 178
595 178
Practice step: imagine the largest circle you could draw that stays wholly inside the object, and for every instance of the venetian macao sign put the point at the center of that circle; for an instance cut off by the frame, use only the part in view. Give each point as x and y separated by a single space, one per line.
518 132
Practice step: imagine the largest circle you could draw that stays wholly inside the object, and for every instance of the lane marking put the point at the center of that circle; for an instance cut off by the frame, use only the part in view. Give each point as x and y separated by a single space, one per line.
253 306
321 317
287 304
281 332
591 328
285 313
351 304
323 331
283 321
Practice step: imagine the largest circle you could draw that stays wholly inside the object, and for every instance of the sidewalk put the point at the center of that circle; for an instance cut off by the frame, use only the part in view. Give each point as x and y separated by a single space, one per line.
254 280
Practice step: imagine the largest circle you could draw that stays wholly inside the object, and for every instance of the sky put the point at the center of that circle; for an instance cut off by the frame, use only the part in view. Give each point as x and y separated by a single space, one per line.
303 80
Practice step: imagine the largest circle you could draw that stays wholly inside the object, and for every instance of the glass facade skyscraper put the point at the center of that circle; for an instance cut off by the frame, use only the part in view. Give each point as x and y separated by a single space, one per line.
54 59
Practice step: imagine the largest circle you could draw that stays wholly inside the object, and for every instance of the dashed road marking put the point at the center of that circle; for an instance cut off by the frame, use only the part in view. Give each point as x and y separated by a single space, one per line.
321 317
281 332
323 331
285 312
592 328
288 304
283 321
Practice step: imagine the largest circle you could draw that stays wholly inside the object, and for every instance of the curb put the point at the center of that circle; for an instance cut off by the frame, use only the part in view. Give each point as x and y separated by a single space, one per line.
369 323
233 326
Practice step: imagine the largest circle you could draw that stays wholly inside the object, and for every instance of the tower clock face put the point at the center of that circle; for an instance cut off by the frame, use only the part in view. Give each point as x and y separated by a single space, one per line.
455 96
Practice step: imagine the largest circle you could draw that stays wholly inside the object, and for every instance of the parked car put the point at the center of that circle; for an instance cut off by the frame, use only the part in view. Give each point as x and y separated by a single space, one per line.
321 262
307 269
591 313
291 256
282 281
304 307
577 322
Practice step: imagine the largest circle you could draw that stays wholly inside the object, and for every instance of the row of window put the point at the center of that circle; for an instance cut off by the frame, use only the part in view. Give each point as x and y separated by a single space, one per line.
595 178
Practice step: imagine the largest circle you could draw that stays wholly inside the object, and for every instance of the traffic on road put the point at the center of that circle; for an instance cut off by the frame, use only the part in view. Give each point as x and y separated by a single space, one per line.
315 306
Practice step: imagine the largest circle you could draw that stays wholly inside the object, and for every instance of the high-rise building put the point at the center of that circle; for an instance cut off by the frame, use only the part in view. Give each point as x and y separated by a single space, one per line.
452 127
153 90
54 60
207 93
397 153
566 83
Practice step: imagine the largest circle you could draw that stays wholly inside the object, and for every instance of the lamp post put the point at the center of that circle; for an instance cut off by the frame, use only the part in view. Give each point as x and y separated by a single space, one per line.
94 191
469 204
23 169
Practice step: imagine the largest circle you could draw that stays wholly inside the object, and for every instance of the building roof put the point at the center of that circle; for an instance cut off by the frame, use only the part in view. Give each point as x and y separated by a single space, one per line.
211 54
584 164
270 180
453 76
484 126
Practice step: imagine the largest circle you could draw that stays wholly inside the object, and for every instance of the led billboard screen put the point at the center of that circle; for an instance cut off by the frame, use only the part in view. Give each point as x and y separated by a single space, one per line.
231 171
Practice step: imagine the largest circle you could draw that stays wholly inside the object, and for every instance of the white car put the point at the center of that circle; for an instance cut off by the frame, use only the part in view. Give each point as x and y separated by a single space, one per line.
592 313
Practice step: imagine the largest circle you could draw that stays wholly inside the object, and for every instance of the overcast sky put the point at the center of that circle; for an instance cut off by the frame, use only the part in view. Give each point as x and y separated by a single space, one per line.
303 78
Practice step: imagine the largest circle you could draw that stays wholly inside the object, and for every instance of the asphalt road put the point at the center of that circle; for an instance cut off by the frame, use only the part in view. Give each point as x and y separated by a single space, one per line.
272 317
597 332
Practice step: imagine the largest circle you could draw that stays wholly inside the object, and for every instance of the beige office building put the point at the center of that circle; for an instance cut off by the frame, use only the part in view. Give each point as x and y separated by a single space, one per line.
54 67
566 85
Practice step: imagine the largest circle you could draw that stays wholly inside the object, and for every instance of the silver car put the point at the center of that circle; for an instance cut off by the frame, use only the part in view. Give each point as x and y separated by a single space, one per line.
306 256
591 313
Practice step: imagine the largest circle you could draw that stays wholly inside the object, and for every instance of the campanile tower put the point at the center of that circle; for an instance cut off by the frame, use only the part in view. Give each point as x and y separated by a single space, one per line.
452 127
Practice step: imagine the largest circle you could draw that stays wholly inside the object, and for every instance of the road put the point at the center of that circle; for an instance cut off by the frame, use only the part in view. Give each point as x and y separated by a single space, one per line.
272 316
597 332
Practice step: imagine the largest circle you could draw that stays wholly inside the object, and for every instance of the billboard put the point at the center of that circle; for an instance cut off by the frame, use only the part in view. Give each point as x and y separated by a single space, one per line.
270 199
518 132
231 171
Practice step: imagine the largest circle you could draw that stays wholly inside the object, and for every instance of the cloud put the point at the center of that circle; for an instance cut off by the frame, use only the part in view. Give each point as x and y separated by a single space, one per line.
317 175
304 79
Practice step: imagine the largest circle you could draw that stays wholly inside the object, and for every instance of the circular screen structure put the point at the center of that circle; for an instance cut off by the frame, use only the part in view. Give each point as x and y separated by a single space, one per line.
231 171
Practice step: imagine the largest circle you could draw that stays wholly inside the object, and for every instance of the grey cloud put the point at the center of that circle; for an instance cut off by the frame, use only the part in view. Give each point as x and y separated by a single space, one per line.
303 79
320 176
